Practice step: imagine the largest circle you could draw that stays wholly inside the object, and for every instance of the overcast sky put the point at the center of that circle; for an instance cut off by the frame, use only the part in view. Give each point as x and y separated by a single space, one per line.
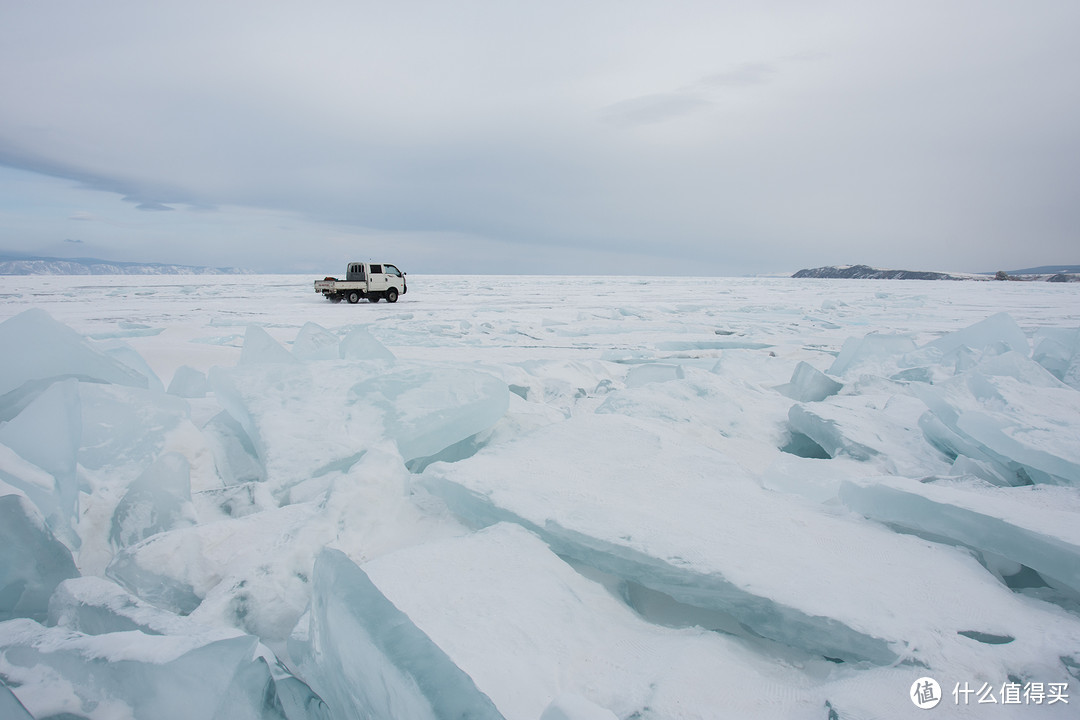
493 136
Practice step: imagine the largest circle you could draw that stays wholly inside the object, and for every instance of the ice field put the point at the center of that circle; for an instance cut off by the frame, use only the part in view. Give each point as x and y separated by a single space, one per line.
539 498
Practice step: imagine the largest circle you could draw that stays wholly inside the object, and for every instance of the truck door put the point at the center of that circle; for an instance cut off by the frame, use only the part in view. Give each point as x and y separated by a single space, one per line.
377 280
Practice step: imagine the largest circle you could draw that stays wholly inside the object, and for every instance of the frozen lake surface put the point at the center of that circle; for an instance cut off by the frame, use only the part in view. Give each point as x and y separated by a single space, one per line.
539 497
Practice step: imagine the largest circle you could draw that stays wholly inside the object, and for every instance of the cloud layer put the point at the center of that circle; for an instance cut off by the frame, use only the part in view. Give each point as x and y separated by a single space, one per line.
487 137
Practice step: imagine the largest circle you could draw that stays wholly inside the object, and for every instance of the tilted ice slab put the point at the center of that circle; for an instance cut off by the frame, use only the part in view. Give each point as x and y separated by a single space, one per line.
497 623
235 457
1037 526
93 606
125 431
253 572
808 384
130 357
298 417
46 434
96 606
636 500
359 344
176 570
187 382
261 349
876 352
315 342
998 333
63 673
1058 350
427 409
40 350
366 659
32 561
307 420
159 500
879 429
1010 411
897 355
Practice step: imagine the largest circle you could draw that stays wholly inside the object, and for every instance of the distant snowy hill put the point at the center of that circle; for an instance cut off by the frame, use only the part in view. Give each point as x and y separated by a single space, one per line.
1051 273
865 272
23 265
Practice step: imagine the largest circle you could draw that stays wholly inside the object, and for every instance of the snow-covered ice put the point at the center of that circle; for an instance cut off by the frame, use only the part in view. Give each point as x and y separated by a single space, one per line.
552 498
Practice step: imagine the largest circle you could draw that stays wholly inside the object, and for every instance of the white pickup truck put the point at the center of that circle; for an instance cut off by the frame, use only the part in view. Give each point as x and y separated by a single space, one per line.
373 281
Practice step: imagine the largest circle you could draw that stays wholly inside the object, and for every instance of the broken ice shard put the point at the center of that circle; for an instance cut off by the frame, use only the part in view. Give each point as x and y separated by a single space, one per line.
40 350
315 342
1058 350
125 429
998 333
881 429
692 524
47 434
306 418
235 456
1011 412
63 673
526 627
1033 526
260 348
367 659
360 344
128 356
871 351
159 500
428 410
96 606
32 561
188 382
808 384
10 707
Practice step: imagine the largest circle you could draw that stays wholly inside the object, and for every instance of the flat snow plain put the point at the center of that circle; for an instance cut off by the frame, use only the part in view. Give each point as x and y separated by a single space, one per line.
539 497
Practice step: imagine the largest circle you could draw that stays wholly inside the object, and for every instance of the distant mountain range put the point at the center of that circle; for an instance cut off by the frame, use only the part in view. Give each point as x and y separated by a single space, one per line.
14 264
865 272
1051 273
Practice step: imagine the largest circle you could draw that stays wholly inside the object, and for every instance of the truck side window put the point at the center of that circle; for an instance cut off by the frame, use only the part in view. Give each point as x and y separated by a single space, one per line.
391 270
376 269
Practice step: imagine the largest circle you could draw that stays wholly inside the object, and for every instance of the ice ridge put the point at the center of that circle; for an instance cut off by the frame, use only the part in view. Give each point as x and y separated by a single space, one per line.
367 659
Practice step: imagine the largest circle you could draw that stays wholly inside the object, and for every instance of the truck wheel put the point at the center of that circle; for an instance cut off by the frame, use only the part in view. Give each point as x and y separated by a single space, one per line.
374 297
354 297
391 295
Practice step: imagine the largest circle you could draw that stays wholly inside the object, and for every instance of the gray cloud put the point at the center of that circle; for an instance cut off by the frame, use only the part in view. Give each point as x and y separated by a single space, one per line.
656 108
744 74
623 134
151 206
